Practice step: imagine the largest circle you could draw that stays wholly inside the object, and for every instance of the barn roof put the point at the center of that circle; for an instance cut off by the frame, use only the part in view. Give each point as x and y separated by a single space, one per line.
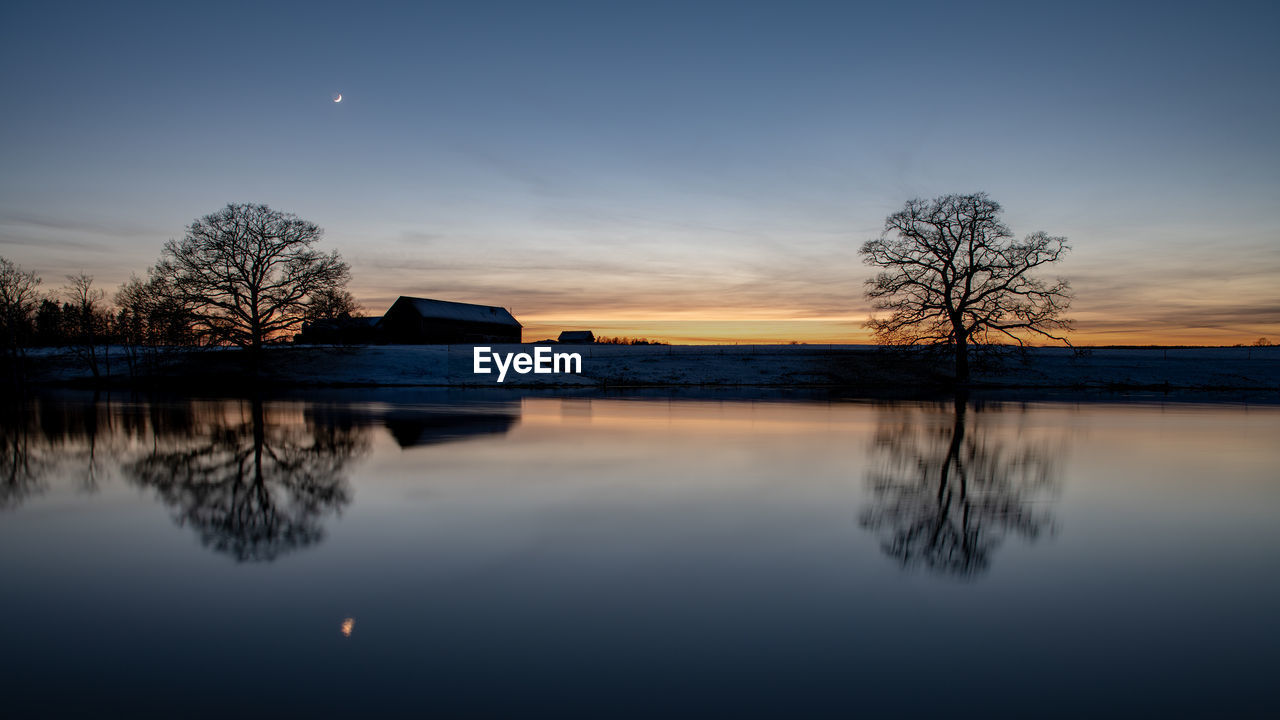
462 312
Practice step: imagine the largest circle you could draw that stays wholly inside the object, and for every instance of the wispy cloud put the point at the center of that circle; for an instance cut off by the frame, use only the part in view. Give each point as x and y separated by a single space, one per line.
10 238
73 225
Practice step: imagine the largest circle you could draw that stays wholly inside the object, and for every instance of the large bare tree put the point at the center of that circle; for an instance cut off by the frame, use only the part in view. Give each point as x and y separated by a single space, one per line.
953 274
247 273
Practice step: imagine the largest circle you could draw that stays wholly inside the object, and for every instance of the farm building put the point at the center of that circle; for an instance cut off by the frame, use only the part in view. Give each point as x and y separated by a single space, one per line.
342 331
420 321
577 336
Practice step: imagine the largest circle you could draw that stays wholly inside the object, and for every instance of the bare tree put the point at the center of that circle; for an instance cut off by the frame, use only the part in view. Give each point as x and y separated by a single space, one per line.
18 299
151 317
89 321
331 304
954 275
247 272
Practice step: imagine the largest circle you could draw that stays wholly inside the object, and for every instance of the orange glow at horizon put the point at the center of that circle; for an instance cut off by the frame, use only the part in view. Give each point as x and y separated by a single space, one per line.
706 331
852 332
783 324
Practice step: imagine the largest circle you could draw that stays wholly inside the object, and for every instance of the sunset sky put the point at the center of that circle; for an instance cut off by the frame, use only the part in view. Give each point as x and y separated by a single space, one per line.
698 171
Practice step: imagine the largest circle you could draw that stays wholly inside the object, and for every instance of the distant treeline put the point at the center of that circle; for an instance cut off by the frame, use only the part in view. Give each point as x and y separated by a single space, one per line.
628 341
245 275
63 324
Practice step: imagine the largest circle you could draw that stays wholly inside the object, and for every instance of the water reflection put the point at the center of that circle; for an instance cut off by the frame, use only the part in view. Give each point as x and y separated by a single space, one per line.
254 480
251 488
257 480
24 461
65 440
686 555
432 427
945 495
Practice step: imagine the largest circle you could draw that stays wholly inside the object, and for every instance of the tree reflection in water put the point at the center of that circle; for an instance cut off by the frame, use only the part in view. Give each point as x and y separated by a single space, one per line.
24 461
253 479
59 439
253 487
945 495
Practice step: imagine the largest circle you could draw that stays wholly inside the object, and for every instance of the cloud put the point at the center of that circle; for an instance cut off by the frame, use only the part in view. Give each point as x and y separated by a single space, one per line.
46 242
654 280
77 226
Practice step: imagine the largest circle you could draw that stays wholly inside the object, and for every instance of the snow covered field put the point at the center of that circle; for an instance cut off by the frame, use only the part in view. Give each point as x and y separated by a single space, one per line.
715 365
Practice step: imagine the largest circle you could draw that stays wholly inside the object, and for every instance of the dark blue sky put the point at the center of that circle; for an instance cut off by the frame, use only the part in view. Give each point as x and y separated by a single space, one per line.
615 162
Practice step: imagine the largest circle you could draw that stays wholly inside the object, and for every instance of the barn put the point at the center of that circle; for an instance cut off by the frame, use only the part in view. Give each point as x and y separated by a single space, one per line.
421 321
577 337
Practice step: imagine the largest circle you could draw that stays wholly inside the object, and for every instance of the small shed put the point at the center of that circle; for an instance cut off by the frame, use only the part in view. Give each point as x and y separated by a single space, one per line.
577 337
423 321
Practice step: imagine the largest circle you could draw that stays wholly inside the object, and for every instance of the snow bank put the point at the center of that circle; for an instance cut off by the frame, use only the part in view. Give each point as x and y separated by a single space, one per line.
682 365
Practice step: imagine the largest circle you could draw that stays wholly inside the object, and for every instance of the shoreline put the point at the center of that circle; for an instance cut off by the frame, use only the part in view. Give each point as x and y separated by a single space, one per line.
857 369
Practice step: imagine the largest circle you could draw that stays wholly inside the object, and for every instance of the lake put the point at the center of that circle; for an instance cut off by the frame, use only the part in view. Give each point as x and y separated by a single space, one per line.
464 553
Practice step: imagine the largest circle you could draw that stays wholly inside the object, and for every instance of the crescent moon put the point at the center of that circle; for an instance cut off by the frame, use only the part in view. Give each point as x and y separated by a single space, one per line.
339 98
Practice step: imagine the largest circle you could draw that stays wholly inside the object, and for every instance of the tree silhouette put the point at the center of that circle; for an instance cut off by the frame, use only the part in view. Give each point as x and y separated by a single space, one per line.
954 275
247 273
944 498
331 304
150 317
19 294
88 323
252 488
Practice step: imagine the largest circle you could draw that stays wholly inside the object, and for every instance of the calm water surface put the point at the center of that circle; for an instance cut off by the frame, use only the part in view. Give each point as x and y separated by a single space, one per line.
420 553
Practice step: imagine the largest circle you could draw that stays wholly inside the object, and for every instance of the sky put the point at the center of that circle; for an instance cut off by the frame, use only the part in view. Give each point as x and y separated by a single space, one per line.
696 171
